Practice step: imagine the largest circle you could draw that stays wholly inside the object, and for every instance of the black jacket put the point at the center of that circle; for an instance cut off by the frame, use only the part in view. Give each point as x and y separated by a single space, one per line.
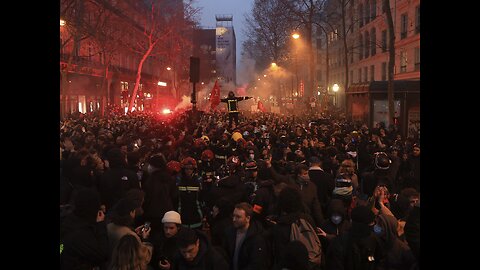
208 258
252 254
115 183
85 245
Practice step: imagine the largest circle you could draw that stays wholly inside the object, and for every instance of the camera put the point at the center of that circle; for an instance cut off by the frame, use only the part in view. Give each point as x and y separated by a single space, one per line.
146 226
163 259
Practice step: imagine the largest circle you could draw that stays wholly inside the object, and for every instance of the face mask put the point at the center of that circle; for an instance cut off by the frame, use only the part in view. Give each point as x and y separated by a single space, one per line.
336 219
377 230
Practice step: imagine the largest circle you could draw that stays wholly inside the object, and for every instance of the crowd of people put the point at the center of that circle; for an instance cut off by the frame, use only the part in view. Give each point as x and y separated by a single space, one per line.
265 191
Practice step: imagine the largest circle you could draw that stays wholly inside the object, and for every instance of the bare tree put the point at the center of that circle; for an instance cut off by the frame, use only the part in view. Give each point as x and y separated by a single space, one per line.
303 13
268 33
391 60
162 22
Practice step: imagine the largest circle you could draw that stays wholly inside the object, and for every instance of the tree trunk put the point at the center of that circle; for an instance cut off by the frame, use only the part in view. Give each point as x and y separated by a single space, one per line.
104 95
344 33
311 64
139 76
327 74
391 62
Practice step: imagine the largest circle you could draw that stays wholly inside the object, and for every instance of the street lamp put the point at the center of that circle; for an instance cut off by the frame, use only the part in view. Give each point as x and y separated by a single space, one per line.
62 22
335 88
296 36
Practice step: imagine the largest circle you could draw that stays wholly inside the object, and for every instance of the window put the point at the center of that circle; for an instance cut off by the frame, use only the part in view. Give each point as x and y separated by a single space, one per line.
360 75
360 47
360 15
373 37
384 40
367 44
384 71
365 74
124 86
367 11
374 9
403 62
404 26
372 73
417 58
417 19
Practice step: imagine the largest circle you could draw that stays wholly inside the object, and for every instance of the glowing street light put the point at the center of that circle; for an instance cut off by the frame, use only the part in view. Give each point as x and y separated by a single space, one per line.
296 36
169 68
162 83
274 65
335 88
62 22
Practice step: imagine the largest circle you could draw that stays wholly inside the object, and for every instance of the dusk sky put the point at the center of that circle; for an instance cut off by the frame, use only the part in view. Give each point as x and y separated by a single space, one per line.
237 8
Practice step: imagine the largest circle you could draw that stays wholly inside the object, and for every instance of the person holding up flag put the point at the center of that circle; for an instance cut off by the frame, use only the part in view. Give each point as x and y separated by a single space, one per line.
215 95
232 106
260 106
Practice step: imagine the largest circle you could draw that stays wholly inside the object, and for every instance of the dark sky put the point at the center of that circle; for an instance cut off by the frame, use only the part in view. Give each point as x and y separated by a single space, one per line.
237 8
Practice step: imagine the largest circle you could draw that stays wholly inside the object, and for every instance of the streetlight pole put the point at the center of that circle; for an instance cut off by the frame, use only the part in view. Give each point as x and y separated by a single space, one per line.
335 88
296 36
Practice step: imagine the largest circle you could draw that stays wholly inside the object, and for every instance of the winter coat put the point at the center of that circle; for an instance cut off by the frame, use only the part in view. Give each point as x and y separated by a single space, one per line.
208 258
85 245
114 184
252 254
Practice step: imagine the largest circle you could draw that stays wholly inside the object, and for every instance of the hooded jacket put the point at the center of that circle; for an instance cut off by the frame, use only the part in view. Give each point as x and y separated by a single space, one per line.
398 255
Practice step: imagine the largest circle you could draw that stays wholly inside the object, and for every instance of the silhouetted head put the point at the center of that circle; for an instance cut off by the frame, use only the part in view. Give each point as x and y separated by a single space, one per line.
231 94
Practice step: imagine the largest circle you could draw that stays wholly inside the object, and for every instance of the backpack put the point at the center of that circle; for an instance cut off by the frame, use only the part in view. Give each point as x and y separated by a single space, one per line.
360 257
302 231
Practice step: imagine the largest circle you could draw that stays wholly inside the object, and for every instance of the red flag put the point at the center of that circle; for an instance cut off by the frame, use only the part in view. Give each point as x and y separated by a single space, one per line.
260 106
215 95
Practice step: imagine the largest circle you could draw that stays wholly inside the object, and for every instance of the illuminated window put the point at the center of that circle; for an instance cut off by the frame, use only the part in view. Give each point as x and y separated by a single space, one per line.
403 61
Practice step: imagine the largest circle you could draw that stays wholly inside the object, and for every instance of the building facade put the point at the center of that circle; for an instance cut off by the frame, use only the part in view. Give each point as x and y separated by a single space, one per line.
226 51
98 62
367 45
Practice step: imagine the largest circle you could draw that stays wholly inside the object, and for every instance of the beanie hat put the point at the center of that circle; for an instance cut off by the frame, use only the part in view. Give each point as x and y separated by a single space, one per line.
171 216
362 214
